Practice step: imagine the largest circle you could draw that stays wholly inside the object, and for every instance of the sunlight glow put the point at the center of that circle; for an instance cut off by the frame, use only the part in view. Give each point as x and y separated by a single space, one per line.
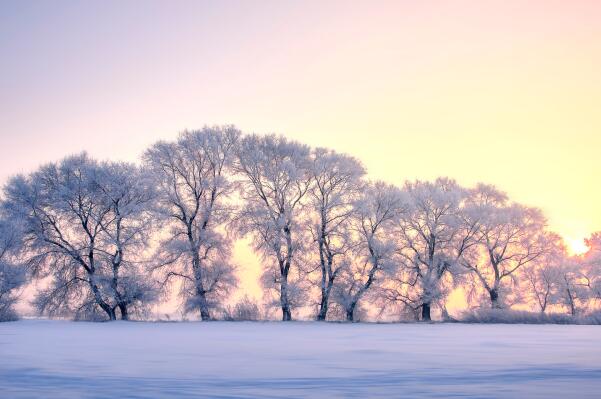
577 246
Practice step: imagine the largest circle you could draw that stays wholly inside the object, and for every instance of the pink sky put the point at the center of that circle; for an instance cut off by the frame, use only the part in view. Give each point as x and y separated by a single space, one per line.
506 92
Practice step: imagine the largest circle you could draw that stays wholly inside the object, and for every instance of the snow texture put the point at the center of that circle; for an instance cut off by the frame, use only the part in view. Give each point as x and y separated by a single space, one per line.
301 359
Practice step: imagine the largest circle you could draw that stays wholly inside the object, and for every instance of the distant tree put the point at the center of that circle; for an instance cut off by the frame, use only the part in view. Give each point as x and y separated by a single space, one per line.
336 185
543 277
83 225
579 279
434 234
374 247
592 266
194 187
573 292
275 181
12 273
511 236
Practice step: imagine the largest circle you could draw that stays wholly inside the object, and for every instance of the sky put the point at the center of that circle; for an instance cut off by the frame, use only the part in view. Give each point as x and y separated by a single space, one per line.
504 92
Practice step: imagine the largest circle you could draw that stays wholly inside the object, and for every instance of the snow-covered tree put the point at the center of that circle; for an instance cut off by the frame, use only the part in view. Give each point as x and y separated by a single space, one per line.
578 279
69 218
510 236
573 291
12 273
592 266
275 180
372 223
194 190
125 238
542 278
336 185
434 233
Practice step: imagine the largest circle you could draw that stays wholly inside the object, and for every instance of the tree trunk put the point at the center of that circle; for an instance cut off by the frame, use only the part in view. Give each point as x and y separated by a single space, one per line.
284 302
323 307
110 312
284 269
286 314
494 298
123 310
426 312
202 304
201 299
325 300
350 312
543 308
114 285
95 290
200 292
572 303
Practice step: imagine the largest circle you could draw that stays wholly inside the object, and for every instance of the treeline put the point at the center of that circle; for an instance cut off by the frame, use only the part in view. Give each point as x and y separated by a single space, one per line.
107 239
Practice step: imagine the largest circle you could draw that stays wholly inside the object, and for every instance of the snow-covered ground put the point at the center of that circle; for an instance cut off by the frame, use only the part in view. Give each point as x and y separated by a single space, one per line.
126 359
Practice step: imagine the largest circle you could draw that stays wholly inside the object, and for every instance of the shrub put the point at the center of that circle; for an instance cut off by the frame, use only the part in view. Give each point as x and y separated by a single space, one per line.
509 316
246 309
